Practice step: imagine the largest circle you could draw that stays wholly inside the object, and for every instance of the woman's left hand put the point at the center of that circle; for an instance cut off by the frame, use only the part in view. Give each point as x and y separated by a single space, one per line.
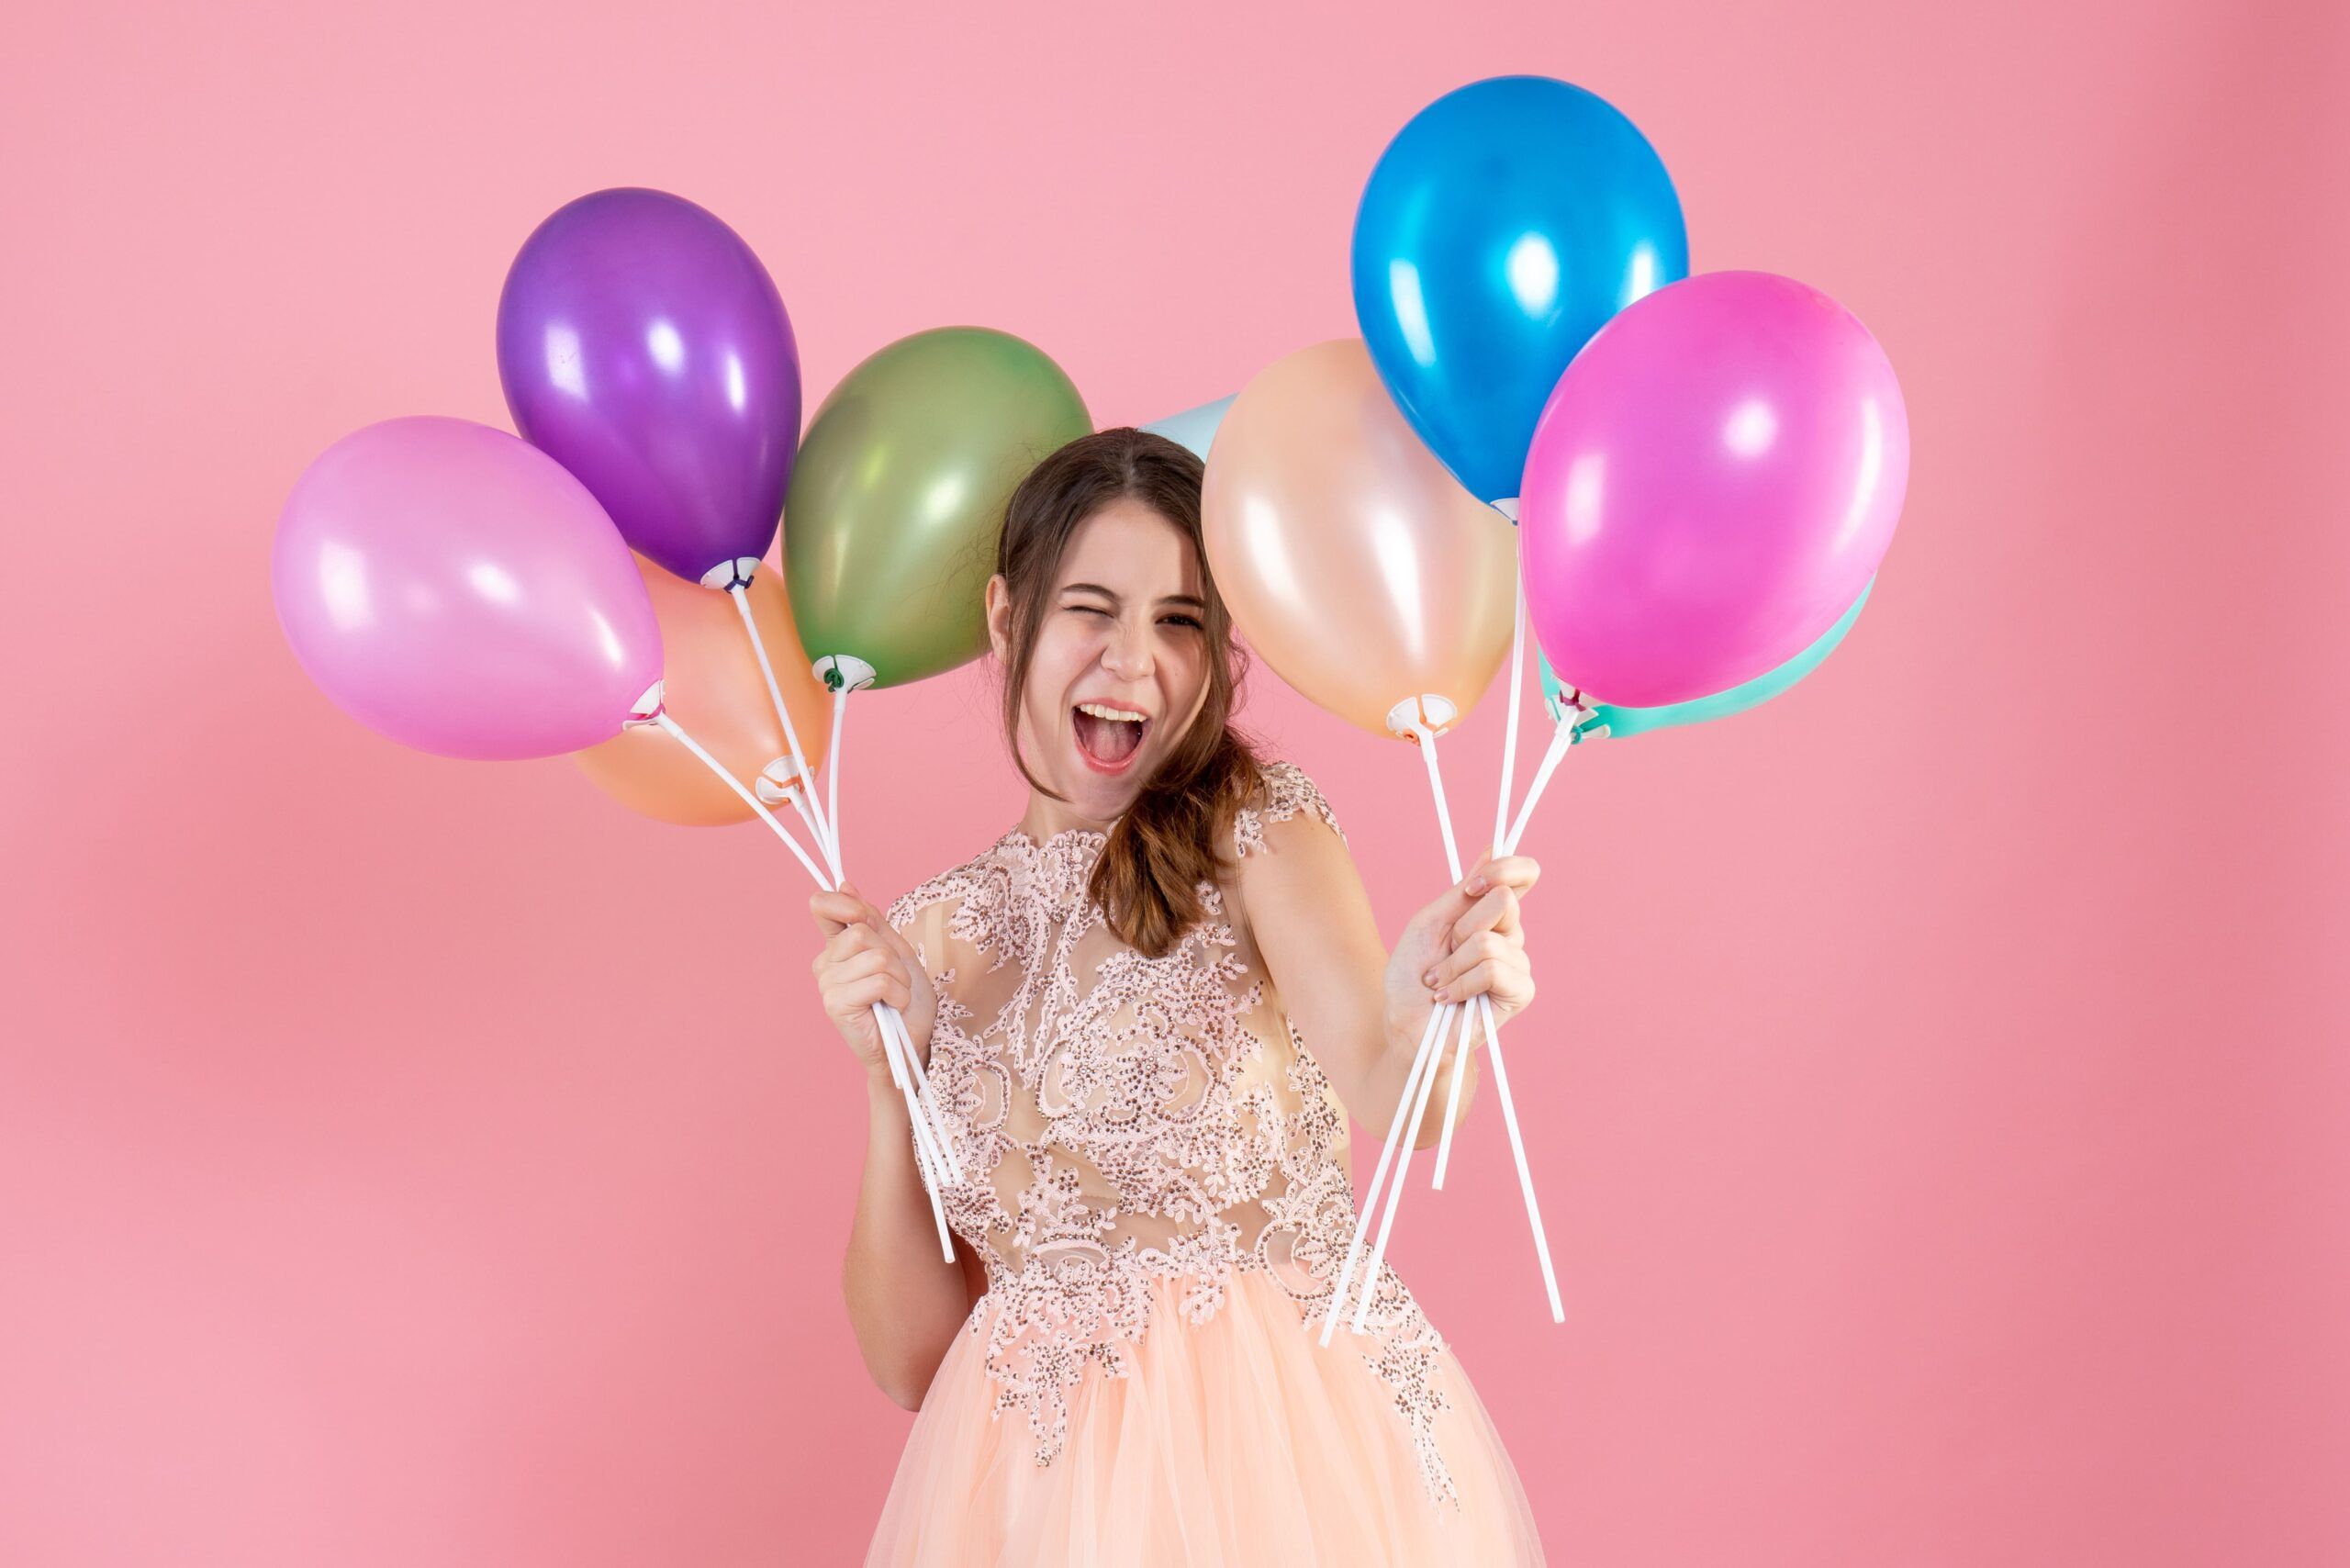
1468 942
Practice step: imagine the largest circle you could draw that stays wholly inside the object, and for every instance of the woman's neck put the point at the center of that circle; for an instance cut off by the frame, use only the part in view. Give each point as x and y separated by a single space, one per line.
1045 816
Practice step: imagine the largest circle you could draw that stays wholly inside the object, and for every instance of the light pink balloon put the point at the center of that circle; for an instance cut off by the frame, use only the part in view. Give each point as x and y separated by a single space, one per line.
454 588
1712 484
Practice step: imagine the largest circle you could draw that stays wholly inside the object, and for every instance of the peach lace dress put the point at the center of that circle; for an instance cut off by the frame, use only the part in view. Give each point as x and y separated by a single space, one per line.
1157 1180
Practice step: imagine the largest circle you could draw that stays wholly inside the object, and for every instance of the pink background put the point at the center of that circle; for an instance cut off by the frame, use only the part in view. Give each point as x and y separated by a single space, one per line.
1938 1085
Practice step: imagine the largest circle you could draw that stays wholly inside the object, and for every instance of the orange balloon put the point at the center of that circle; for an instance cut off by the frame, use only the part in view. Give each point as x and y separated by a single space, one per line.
1352 561
717 695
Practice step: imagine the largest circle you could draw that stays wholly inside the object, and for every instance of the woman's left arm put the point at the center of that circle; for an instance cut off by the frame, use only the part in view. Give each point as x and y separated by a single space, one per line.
1361 1008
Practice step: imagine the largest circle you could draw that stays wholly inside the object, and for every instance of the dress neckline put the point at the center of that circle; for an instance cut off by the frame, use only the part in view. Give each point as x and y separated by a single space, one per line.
1057 868
1073 836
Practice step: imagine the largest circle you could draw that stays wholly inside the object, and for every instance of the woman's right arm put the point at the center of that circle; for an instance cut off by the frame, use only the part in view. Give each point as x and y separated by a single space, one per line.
905 1302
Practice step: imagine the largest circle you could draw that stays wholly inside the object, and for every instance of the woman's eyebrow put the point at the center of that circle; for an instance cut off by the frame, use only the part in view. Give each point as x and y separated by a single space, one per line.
1194 600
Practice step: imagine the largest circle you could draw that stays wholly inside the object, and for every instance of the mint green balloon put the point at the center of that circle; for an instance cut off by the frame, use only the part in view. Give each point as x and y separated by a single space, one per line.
896 498
1193 428
1617 721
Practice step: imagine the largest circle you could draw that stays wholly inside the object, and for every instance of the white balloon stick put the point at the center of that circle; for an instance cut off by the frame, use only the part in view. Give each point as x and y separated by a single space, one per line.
1422 1062
927 1156
1402 1167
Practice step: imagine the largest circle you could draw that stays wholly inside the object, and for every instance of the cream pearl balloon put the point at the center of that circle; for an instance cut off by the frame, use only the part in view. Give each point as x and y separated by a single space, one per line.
1352 561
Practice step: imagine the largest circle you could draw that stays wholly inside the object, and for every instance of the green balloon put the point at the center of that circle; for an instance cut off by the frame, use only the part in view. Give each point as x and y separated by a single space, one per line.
1616 721
896 498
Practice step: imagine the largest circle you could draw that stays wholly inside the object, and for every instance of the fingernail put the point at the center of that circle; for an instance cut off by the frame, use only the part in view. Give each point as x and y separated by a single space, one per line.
1442 997
1428 978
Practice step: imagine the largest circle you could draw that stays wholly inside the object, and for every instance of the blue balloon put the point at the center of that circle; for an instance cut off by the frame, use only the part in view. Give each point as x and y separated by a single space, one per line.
1501 229
1607 718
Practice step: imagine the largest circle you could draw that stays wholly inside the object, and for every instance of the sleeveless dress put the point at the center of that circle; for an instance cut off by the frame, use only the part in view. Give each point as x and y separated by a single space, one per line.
1155 1178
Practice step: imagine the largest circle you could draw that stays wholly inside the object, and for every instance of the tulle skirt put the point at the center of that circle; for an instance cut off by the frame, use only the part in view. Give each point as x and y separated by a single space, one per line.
1239 1440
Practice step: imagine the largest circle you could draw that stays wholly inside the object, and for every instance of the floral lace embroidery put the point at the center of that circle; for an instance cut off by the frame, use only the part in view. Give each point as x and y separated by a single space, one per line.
1123 1120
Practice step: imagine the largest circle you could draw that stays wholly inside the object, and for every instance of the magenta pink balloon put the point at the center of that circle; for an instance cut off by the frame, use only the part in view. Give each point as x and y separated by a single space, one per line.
455 589
1712 483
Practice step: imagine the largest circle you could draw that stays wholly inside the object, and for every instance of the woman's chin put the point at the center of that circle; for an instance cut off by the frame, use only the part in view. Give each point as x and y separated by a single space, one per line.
1098 788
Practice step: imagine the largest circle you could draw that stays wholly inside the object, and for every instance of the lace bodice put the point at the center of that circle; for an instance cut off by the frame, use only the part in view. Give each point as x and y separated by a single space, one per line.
1122 1120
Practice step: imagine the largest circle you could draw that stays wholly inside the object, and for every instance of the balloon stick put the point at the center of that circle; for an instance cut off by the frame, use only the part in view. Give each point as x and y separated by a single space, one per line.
1517 1149
1500 844
1484 1004
1402 1167
833 767
928 1156
809 813
1561 739
1436 1018
941 1134
845 674
766 816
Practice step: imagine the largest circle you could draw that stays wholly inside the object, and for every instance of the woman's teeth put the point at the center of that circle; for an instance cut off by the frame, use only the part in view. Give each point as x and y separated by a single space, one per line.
1106 734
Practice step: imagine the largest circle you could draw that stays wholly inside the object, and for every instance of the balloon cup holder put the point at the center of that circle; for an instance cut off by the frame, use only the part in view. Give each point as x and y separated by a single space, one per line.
777 780
1427 711
1572 708
648 709
844 672
731 575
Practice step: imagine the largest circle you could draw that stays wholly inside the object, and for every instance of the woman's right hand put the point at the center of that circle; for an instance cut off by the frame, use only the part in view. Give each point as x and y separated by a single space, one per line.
864 960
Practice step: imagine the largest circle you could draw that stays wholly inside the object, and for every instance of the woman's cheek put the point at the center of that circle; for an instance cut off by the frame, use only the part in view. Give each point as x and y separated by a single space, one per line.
1060 659
1196 686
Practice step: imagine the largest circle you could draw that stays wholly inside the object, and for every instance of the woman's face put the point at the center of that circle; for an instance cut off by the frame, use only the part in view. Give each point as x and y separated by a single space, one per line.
1121 663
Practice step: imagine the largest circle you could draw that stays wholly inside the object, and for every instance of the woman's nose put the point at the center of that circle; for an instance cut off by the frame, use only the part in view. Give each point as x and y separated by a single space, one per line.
1128 654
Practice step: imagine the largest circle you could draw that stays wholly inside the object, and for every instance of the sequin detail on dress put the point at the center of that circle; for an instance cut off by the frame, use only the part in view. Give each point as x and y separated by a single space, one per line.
1122 1119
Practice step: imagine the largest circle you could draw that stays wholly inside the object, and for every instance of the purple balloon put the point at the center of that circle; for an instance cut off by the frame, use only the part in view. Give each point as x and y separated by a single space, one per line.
1713 483
644 348
455 590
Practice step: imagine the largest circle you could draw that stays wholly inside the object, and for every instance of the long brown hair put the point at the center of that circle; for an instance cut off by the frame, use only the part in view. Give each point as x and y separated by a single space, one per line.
1167 843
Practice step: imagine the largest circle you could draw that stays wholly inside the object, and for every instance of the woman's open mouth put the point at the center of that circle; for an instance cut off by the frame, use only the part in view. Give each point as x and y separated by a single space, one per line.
1108 736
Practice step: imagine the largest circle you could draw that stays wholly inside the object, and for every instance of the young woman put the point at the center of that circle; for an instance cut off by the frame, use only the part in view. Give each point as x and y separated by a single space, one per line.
1148 1011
